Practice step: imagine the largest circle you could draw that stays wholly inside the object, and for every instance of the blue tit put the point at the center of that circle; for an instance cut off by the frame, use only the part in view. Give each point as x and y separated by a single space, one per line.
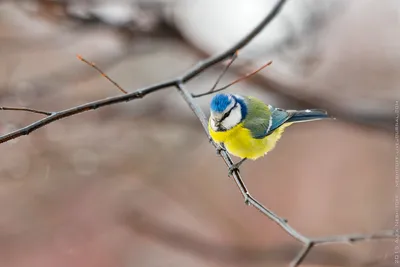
248 128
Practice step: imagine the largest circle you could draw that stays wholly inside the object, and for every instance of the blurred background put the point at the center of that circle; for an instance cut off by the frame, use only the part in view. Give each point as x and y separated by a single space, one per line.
137 184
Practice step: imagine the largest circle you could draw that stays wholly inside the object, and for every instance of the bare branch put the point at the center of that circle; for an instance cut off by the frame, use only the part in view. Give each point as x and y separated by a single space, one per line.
219 77
190 74
353 238
234 57
230 52
338 239
83 108
213 90
102 73
28 110
302 254
179 82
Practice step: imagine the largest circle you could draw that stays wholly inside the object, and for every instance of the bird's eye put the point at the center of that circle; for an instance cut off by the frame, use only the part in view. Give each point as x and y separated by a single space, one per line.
227 114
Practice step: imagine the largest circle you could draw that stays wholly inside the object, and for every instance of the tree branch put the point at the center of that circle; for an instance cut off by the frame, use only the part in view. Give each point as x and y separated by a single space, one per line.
341 239
179 82
190 74
27 110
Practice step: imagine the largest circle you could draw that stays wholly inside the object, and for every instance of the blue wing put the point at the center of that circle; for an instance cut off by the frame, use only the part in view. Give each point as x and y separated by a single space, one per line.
308 115
278 117
262 120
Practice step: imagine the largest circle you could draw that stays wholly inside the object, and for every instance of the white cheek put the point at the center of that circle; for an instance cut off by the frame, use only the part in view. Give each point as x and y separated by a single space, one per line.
233 119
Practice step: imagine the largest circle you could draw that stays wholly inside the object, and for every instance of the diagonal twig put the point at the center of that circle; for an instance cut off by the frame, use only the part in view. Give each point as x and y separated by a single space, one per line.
213 90
102 73
219 77
27 110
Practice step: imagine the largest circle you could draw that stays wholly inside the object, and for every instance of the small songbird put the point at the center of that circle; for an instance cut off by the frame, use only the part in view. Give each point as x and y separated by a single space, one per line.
248 128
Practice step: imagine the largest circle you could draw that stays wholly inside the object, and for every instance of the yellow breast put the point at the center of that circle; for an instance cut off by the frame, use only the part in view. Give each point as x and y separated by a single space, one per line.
239 141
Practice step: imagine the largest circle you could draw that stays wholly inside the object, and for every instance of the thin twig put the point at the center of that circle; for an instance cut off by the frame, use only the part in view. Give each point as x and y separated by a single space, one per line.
235 81
341 239
302 254
234 57
353 238
27 109
102 73
219 77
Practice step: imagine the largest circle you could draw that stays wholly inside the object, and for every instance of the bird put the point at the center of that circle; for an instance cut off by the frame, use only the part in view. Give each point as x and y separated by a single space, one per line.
248 128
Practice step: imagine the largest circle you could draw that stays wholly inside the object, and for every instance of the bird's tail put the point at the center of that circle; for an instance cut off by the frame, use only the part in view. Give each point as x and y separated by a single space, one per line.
308 115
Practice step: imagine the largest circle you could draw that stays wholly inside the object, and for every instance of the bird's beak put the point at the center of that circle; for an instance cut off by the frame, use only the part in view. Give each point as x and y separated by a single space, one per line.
219 126
217 123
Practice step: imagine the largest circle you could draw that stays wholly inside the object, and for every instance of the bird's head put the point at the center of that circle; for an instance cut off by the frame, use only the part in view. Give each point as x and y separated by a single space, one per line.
227 111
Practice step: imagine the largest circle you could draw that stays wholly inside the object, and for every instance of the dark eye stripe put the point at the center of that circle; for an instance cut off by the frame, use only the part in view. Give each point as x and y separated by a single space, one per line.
228 113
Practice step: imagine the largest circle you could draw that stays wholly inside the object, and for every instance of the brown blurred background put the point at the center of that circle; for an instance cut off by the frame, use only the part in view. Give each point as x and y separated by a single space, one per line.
137 184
